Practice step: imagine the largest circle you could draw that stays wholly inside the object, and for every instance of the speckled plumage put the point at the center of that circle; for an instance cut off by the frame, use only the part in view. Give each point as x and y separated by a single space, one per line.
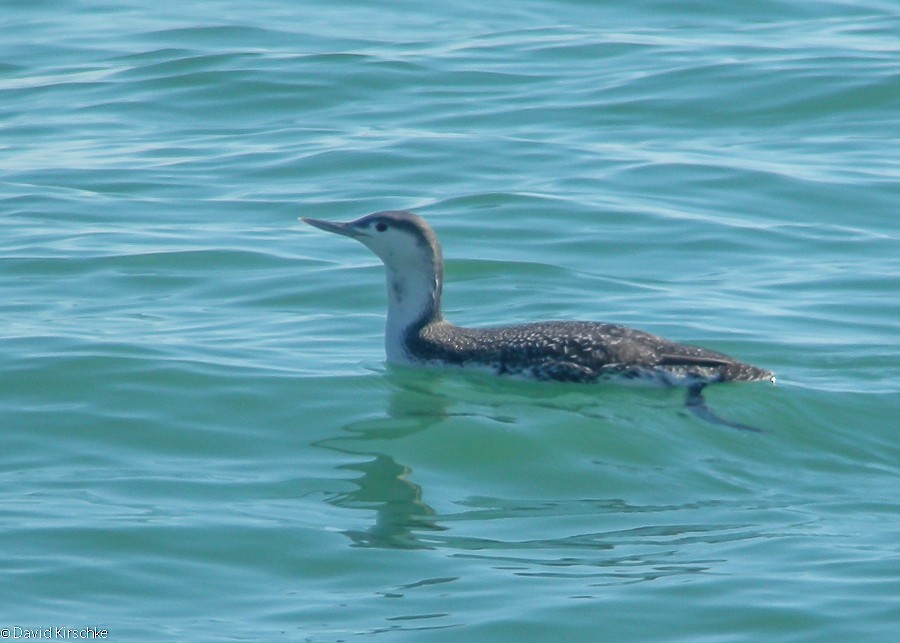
576 351
569 351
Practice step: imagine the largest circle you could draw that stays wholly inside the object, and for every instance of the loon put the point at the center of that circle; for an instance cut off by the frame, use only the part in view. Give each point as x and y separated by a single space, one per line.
567 351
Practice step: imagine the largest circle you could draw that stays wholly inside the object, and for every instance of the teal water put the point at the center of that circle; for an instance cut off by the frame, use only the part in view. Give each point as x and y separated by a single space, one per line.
200 439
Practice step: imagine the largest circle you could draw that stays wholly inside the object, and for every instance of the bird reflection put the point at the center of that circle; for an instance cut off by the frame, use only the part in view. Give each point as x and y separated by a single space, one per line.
399 510
638 542
384 485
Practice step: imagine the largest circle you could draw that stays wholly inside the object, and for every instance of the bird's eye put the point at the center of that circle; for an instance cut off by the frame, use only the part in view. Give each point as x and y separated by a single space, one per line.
381 226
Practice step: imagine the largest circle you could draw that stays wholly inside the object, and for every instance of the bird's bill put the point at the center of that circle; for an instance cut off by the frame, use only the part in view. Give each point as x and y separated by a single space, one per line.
345 229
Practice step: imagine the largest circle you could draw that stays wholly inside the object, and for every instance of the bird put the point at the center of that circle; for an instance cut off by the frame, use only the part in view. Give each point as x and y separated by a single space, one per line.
417 333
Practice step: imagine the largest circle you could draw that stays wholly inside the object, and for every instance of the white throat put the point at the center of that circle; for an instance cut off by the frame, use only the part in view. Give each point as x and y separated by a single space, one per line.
413 298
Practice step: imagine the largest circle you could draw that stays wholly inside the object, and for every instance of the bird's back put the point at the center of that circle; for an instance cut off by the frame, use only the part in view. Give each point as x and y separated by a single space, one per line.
577 351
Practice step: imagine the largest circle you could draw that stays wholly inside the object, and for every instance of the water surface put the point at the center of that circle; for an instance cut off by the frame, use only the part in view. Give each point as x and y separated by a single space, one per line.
200 437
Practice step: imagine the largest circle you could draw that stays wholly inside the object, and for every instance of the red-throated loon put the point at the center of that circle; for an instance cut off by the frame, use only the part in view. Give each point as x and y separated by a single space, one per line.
568 351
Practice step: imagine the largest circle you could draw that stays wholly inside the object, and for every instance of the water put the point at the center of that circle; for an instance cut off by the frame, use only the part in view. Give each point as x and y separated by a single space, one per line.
200 439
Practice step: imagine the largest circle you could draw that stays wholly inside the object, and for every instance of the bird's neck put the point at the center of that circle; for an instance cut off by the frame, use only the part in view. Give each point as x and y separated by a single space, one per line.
414 300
